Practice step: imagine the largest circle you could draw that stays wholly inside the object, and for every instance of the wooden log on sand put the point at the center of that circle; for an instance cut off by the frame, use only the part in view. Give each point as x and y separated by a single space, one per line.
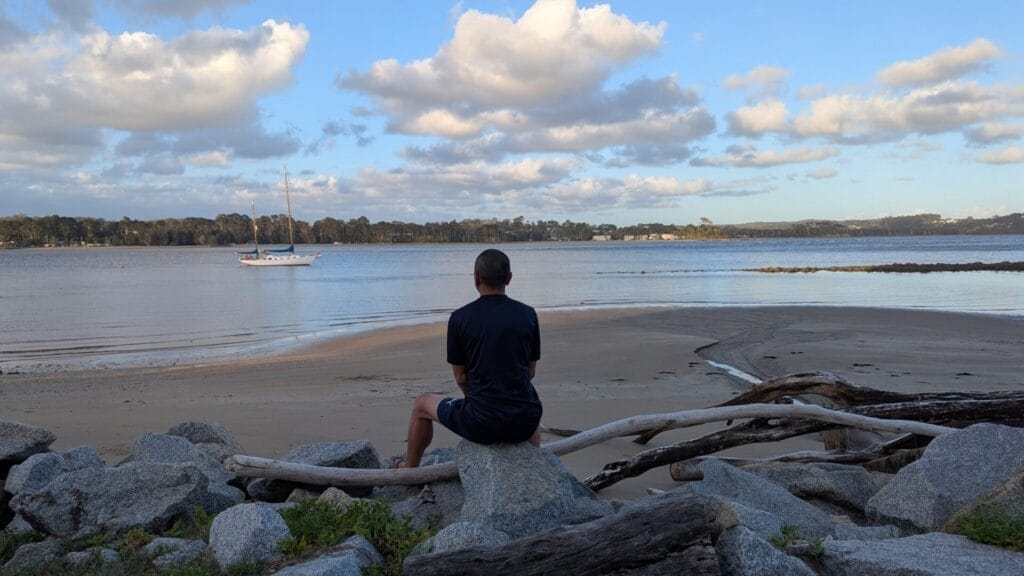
673 524
251 466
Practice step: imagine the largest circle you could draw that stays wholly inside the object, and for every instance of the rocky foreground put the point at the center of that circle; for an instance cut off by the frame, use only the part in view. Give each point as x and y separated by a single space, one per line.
516 510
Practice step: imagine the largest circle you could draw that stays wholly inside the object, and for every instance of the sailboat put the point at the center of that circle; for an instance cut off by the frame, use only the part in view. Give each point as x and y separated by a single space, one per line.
279 256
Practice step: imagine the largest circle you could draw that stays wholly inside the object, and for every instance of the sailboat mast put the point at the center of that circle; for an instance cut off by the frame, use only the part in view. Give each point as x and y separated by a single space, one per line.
255 236
288 200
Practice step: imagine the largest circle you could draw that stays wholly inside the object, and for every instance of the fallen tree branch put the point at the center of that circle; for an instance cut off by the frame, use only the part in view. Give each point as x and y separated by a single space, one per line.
671 523
687 469
252 466
760 430
838 391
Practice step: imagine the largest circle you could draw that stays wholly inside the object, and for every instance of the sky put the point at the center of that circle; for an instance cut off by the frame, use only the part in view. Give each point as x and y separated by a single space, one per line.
625 112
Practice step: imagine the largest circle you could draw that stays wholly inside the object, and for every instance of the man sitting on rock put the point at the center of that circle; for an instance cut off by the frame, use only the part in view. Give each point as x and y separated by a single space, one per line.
493 347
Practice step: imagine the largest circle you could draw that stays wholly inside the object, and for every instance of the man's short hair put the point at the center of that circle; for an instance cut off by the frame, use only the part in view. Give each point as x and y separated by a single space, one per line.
493 267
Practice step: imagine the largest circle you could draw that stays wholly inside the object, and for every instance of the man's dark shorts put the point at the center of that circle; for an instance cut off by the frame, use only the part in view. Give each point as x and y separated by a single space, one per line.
453 415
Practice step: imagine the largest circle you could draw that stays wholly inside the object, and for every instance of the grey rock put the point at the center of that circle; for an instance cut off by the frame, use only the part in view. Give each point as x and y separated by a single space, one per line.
35 554
845 486
955 469
206 433
358 454
84 457
933 554
247 532
100 558
346 559
865 533
742 491
520 490
18 525
300 495
143 495
728 514
442 501
743 552
185 553
1007 497
19 441
693 560
461 535
177 450
338 497
39 469
163 545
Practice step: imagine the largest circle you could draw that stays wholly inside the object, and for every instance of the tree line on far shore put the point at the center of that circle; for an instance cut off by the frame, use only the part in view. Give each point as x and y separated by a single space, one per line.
233 229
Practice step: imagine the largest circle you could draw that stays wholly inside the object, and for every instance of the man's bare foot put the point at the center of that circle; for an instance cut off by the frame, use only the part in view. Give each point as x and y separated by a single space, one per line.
398 463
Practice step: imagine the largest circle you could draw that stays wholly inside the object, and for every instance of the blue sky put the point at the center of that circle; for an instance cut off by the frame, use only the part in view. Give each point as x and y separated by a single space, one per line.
632 111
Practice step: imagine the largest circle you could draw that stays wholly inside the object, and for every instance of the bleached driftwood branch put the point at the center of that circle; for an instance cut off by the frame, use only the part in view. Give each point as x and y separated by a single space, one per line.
252 466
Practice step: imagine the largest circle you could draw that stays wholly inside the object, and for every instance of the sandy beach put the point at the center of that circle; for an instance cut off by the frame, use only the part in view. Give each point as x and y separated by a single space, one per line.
597 366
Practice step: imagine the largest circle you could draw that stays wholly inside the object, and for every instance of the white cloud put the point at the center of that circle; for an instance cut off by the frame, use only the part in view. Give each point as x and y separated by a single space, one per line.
1011 155
993 132
767 78
822 173
746 157
767 116
504 86
68 92
184 9
944 65
554 50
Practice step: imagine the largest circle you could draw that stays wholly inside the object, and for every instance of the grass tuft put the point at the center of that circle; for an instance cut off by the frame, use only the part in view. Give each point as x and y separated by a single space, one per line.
316 526
9 542
995 526
784 537
197 527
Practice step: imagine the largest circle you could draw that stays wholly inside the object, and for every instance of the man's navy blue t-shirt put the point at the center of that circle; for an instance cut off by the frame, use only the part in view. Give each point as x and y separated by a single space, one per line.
496 338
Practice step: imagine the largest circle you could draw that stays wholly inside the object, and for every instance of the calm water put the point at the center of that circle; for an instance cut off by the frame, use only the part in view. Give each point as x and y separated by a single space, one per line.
103 307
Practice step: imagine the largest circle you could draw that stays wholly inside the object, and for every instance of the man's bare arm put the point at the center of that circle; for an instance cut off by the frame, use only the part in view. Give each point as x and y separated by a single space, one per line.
460 377
533 369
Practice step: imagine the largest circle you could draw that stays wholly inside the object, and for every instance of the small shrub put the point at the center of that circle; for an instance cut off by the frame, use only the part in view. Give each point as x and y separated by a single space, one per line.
318 525
995 526
9 542
132 541
784 538
197 527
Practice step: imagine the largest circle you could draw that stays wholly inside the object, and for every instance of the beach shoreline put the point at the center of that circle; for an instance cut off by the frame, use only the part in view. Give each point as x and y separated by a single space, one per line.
597 366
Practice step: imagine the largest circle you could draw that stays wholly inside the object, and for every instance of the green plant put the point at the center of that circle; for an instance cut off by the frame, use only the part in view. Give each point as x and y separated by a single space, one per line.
995 526
818 548
317 525
197 527
786 536
132 541
10 541
247 568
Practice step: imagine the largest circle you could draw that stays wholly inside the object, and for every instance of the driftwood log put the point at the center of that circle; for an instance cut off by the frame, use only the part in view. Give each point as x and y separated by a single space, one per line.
645 533
687 469
840 393
762 430
251 466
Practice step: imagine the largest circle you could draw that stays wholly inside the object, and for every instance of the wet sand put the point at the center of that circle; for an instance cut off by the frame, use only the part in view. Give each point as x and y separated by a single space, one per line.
597 366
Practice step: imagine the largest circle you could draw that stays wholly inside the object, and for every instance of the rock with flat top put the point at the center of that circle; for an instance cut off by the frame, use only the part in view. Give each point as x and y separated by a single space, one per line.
19 441
146 495
177 450
519 489
933 554
955 469
358 454
742 551
761 505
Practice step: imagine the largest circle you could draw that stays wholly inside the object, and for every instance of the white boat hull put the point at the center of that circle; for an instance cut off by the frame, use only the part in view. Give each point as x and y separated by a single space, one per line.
279 260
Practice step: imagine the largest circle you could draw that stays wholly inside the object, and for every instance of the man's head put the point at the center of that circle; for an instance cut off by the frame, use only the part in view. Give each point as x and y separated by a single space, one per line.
492 269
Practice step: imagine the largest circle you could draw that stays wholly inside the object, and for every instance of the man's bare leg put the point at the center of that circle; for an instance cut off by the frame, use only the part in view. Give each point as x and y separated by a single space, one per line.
535 439
421 428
